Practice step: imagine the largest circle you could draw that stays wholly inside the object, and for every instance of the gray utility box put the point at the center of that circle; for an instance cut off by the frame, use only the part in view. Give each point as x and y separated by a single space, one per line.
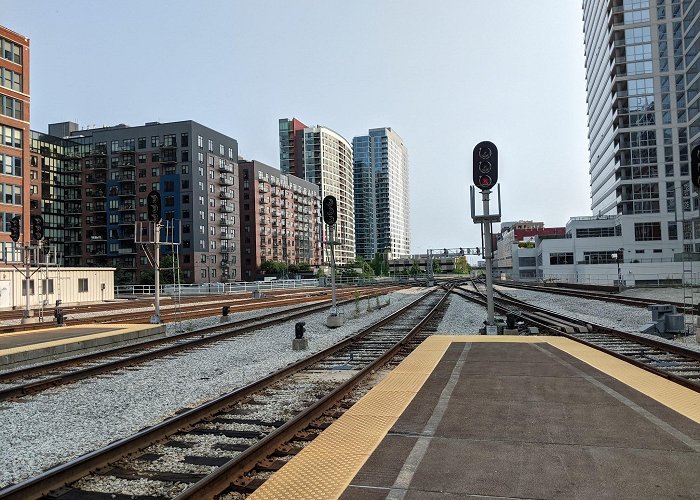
665 321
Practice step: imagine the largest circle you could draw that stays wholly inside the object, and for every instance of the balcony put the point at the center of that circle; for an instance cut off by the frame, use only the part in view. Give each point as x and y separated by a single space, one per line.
123 251
96 179
226 181
127 207
226 195
124 164
74 208
127 236
127 192
127 221
97 193
168 157
97 151
225 167
226 209
123 149
225 222
226 236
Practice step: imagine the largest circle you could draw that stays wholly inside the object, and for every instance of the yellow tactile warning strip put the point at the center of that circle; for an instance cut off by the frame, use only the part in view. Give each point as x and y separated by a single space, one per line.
325 468
111 330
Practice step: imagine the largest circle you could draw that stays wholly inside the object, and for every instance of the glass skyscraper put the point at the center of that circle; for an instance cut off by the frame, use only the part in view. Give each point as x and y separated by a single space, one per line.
324 157
380 169
643 118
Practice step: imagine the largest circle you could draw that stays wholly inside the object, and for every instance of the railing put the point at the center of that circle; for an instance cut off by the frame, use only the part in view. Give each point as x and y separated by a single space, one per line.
247 287
629 279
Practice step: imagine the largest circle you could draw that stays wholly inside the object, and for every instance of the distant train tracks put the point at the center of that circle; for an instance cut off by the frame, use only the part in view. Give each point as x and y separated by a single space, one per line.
671 361
597 295
33 379
140 311
231 444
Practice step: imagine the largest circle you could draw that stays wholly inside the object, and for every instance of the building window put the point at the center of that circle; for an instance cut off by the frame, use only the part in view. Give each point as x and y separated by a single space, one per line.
184 139
82 285
142 143
647 231
10 51
185 155
672 231
155 141
10 107
211 145
561 258
24 287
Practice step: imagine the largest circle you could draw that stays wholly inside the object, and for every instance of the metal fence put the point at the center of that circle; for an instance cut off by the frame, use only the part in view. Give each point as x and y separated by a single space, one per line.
238 287
628 279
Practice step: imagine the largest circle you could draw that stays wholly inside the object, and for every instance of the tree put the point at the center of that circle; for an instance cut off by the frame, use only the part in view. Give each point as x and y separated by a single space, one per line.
367 270
121 277
147 277
167 276
437 268
462 266
414 269
378 264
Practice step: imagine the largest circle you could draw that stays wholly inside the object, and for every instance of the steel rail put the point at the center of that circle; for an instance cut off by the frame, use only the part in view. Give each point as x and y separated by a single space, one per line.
215 483
626 336
76 375
63 474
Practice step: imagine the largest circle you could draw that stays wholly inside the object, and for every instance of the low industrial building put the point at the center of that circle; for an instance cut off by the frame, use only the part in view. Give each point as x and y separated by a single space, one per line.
601 250
48 284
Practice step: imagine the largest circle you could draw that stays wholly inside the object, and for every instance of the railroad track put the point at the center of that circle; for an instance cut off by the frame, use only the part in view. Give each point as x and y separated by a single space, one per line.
212 448
141 311
34 379
598 295
671 361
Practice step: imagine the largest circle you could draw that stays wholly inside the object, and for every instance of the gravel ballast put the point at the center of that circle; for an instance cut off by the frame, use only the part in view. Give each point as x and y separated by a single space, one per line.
54 426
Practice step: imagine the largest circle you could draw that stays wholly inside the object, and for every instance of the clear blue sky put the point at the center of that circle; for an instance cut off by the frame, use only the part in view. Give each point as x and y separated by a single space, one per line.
443 74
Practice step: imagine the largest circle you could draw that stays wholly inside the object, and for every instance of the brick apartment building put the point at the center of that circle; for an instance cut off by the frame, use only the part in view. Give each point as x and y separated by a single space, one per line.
14 135
280 218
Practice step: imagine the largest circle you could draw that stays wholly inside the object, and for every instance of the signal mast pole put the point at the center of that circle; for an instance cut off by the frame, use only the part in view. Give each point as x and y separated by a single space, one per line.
485 175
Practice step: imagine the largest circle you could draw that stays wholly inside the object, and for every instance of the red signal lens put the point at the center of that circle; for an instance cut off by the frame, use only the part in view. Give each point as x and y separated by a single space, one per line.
485 180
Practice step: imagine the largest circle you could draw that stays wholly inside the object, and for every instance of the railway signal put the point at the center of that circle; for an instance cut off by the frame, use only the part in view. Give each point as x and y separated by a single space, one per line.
485 165
485 176
330 210
153 203
37 223
15 228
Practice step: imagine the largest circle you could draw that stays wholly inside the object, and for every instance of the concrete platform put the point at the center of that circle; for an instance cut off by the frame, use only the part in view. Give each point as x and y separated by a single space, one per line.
52 343
506 417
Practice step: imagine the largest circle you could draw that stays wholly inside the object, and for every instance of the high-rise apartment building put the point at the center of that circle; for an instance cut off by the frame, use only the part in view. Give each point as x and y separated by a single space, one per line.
380 165
324 157
100 179
280 218
14 137
643 118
